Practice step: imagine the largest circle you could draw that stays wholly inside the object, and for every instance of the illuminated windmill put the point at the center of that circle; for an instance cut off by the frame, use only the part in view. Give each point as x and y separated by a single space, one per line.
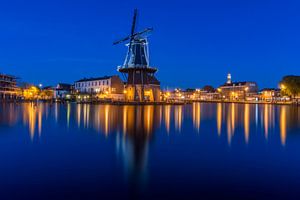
141 84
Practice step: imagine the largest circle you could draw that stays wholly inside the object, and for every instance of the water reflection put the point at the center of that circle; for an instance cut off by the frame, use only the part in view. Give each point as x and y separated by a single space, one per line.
197 116
231 119
283 125
136 130
33 117
178 117
137 134
167 117
247 122
143 121
219 118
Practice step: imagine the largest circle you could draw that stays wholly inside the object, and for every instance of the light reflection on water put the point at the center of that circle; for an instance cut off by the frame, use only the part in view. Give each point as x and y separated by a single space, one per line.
135 128
108 119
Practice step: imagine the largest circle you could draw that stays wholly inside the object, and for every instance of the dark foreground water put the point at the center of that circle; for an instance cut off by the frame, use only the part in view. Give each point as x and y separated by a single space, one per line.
199 151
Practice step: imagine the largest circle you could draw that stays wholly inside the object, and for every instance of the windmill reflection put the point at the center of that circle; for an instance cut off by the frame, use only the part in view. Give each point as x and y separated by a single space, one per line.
139 124
133 127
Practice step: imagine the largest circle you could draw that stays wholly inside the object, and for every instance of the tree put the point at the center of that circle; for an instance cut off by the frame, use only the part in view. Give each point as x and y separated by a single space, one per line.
47 94
290 85
209 88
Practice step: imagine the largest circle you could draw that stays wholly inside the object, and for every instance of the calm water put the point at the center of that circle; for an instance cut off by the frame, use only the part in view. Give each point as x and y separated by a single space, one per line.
208 151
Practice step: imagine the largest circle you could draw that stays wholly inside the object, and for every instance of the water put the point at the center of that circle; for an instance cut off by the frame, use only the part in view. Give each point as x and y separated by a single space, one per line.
203 150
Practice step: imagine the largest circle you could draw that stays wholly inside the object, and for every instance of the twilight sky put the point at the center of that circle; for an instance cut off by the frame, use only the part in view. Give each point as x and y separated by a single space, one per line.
195 42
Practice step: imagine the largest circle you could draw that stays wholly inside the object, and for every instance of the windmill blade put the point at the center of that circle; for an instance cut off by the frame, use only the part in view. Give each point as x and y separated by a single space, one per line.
122 40
133 22
132 30
147 30
132 34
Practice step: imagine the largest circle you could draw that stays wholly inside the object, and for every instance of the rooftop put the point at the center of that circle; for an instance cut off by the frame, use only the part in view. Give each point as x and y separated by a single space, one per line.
94 79
8 76
269 89
241 83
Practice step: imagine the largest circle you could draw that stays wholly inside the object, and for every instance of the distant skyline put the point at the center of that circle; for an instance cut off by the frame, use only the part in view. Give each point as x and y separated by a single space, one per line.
194 43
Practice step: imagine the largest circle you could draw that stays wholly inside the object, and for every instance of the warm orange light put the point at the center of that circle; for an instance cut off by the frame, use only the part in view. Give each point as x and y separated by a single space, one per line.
282 86
31 93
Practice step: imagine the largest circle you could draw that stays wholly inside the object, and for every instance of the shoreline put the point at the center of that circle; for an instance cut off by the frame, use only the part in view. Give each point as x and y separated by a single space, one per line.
248 102
121 103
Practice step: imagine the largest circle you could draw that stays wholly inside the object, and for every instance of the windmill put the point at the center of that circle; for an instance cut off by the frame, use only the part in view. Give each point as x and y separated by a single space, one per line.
141 84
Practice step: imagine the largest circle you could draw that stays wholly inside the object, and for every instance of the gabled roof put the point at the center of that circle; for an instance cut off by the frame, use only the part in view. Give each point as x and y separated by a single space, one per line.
94 79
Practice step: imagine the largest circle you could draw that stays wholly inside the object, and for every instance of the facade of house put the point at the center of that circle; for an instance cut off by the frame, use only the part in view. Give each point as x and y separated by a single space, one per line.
62 90
106 87
270 95
8 87
237 90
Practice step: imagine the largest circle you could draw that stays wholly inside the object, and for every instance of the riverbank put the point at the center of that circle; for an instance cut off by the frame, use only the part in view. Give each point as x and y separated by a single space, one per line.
151 103
248 102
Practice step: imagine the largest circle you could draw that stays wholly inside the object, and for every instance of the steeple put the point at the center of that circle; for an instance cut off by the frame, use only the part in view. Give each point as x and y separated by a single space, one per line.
229 78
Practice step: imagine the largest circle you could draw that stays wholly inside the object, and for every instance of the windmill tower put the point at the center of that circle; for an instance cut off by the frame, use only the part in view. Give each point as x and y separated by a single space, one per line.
141 84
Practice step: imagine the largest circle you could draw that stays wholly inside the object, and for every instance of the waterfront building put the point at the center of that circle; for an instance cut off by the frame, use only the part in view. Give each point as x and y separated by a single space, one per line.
189 94
62 91
8 87
106 87
270 95
173 95
30 92
141 84
245 90
209 96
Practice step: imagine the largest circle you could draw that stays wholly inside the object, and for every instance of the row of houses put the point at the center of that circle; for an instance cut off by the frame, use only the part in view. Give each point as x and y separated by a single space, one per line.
113 88
100 88
229 91
106 87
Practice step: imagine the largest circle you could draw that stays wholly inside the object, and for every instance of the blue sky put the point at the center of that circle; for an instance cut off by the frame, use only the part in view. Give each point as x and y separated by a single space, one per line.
194 43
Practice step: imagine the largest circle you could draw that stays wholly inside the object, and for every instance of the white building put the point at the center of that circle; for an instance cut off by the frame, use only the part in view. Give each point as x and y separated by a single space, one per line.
62 90
103 87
